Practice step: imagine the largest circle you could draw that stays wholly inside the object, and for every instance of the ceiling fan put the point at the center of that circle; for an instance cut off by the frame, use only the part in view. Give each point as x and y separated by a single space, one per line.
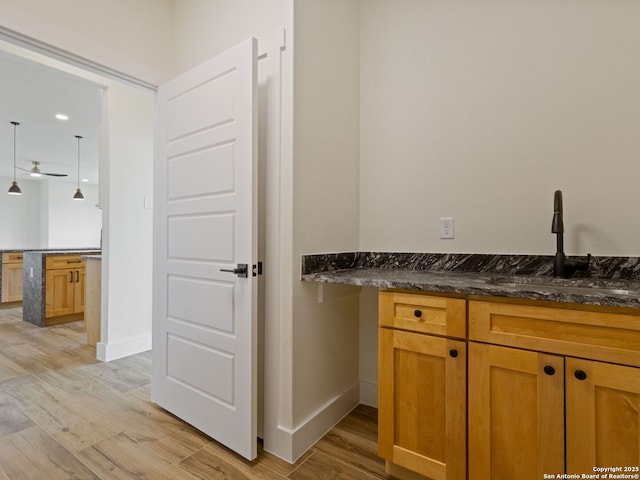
35 171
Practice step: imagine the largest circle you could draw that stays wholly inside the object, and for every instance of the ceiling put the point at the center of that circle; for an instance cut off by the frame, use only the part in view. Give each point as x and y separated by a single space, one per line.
32 94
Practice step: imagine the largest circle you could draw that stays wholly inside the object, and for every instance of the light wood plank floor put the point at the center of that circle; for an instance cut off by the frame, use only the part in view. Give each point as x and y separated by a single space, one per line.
64 415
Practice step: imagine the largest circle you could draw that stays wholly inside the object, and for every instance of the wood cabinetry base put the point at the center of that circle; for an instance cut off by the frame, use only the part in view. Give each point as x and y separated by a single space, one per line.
73 317
401 473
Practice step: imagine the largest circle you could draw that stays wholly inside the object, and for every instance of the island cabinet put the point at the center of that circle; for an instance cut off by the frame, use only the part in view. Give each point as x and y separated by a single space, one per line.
11 287
551 390
422 385
64 286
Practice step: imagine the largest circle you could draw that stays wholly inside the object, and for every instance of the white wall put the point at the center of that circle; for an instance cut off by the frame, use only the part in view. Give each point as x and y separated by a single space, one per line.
20 215
131 37
72 223
127 178
203 28
480 110
325 206
46 216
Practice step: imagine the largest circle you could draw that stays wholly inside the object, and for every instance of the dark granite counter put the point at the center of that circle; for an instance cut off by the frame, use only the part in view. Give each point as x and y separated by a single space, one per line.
34 281
612 281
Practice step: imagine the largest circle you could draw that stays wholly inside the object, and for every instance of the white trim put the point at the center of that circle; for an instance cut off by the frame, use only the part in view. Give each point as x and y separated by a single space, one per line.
52 51
317 424
105 352
290 444
274 40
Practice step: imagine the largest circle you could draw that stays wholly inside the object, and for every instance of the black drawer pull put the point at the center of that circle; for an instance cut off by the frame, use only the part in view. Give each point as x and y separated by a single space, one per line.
417 313
453 353
580 374
549 370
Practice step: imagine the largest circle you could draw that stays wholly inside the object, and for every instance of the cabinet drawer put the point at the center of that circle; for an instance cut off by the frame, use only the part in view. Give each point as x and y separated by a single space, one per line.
611 337
64 261
423 313
12 257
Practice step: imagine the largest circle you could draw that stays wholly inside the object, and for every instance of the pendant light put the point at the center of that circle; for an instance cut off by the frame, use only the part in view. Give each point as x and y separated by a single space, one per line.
78 195
14 189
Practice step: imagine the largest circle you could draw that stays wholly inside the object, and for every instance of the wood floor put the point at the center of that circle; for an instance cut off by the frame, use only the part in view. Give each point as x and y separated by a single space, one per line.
64 415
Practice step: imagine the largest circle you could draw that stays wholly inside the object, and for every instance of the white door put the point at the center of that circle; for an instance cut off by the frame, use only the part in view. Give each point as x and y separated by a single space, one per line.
205 221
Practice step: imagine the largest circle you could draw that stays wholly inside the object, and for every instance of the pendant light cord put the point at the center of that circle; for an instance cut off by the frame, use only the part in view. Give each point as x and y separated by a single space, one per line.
78 137
15 126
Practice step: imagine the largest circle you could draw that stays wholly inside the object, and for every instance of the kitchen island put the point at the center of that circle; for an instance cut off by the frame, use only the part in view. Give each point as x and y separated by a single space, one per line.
53 286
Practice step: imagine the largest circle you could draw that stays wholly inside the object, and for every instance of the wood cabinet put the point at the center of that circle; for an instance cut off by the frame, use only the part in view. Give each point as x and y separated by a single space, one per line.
422 384
533 388
92 314
516 411
539 409
64 286
603 415
11 277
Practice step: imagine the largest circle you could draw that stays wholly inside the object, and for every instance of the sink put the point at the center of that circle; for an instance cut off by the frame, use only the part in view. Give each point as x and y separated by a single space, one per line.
589 286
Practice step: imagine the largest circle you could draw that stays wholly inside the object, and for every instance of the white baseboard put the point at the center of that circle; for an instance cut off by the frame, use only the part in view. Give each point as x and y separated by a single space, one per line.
293 443
369 394
316 425
105 352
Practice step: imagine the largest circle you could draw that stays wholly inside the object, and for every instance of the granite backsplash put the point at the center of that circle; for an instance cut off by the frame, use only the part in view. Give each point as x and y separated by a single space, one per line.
622 268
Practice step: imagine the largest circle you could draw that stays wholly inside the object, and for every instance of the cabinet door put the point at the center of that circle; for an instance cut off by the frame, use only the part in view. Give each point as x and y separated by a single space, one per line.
516 413
422 395
12 282
78 290
603 415
59 292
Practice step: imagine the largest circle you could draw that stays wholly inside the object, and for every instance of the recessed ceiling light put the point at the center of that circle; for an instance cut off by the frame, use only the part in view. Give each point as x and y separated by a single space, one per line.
62 116
85 179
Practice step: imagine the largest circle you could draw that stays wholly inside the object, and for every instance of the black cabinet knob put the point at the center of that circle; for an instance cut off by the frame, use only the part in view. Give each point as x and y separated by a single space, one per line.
417 313
580 374
549 370
453 352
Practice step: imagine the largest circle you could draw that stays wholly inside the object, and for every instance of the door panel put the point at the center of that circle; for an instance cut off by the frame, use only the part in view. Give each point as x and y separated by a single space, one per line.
205 219
186 239
603 423
422 391
192 299
516 413
59 292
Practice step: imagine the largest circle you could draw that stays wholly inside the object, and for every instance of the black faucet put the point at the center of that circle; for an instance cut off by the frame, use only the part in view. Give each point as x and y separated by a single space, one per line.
563 266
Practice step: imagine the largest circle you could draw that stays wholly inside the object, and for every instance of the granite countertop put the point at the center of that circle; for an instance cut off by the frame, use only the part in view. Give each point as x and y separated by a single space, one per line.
525 277
91 257
77 251
48 250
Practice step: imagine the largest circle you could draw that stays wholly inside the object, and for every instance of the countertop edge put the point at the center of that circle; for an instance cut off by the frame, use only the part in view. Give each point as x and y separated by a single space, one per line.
468 284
